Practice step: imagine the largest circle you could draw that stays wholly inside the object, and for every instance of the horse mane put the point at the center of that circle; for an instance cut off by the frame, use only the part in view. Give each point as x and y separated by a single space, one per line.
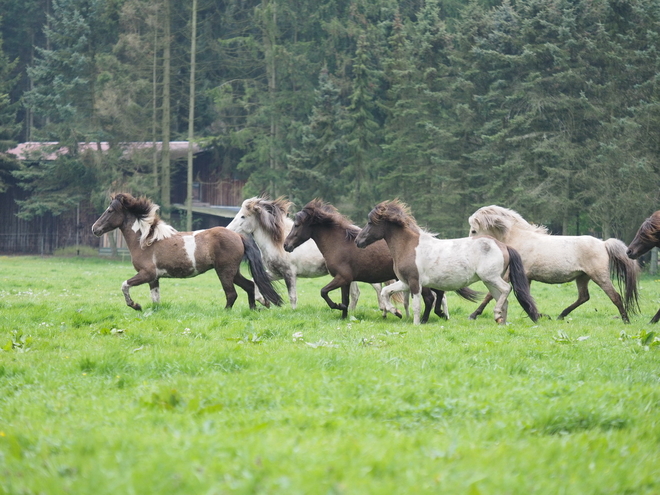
649 231
502 220
321 213
270 214
147 221
395 212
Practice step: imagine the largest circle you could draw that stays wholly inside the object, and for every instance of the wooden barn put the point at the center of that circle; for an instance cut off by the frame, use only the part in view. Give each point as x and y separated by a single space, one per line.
217 196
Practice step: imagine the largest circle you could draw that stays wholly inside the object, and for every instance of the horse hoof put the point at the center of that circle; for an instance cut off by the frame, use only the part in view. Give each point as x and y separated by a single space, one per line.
398 314
472 317
500 321
136 307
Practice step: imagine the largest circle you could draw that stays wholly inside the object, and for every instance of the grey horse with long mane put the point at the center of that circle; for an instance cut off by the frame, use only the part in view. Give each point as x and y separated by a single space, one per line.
159 251
556 259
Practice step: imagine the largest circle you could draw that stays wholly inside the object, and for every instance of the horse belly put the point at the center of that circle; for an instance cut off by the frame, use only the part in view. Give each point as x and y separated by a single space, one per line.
308 260
178 258
444 266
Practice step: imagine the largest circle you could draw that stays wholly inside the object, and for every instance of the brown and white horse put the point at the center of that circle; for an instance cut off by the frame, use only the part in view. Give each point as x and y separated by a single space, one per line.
422 260
159 251
556 259
647 237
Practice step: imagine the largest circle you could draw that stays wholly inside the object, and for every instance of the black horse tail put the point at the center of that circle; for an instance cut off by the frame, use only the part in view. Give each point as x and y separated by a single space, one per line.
469 294
626 272
256 265
520 285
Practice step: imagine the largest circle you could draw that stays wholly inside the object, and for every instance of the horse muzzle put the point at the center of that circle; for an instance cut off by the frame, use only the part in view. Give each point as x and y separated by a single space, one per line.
98 232
632 255
289 247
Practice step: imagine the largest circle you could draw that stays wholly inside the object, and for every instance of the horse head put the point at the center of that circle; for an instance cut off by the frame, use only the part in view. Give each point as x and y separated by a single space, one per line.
301 231
113 217
647 237
380 220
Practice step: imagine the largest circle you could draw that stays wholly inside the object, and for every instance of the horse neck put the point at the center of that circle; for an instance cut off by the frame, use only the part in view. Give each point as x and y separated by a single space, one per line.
401 241
269 248
328 238
131 237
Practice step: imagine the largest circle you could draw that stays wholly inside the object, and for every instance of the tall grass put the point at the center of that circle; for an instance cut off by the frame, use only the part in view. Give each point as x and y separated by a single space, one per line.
186 397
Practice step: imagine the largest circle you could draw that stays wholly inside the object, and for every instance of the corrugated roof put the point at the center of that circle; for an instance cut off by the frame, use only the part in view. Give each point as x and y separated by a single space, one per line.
40 150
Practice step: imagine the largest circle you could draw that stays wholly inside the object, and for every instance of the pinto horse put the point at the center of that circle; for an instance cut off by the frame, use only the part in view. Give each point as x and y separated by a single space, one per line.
334 235
267 221
558 259
422 260
647 237
158 250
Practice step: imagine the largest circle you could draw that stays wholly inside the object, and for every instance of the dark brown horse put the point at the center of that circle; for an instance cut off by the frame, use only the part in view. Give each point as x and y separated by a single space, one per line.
647 237
158 250
335 237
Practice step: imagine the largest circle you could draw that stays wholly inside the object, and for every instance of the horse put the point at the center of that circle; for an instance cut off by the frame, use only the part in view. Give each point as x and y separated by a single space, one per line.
422 260
334 235
159 251
267 221
646 238
557 259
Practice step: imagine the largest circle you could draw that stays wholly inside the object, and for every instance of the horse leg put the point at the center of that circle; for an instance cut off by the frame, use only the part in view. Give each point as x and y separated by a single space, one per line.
258 297
500 290
416 306
608 288
386 292
656 317
429 300
582 283
248 286
441 308
335 283
155 291
140 278
481 307
355 295
345 296
290 281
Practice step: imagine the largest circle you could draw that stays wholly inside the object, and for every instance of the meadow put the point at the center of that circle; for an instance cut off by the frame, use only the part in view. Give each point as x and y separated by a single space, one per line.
186 397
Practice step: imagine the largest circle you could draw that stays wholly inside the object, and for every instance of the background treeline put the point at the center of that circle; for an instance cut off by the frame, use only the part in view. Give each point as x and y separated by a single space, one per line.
551 107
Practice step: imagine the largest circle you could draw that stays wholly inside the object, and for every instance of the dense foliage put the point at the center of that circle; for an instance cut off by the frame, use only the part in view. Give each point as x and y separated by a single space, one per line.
548 107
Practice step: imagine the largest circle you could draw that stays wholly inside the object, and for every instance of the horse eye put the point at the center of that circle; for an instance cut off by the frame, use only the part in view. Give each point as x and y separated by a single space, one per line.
242 216
473 232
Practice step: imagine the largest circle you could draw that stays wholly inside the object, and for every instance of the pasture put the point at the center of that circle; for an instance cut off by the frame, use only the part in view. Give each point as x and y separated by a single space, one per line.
186 397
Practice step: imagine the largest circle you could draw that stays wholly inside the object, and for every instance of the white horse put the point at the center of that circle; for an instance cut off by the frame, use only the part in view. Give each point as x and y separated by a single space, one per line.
267 221
558 259
422 260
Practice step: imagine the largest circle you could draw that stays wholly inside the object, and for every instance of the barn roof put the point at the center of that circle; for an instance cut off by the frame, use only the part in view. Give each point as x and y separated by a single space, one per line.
48 151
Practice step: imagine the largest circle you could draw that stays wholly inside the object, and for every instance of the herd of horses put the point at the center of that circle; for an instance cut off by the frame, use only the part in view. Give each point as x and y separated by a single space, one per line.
392 253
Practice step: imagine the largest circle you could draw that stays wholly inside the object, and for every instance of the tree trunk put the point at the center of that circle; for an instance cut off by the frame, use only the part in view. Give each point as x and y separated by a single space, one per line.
165 153
191 117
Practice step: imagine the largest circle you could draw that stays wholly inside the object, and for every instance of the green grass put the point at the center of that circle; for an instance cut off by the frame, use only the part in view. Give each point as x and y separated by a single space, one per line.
189 398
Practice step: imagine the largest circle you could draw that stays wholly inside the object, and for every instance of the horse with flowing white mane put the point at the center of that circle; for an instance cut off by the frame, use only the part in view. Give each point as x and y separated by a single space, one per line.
158 250
555 259
267 221
422 260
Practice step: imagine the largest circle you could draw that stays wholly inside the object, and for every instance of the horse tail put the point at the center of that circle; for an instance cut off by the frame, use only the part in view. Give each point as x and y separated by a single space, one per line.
520 284
626 272
256 265
469 294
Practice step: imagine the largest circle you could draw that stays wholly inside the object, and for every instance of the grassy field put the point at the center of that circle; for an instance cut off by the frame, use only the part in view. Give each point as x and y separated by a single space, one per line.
189 398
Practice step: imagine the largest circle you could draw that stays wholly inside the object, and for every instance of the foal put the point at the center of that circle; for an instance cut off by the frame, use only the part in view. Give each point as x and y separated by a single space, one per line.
158 250
421 260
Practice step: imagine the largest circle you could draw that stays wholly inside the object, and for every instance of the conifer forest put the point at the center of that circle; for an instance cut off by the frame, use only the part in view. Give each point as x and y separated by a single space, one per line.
549 107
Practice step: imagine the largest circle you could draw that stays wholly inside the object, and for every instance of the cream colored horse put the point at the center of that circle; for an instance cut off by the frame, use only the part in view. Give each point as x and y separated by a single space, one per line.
554 259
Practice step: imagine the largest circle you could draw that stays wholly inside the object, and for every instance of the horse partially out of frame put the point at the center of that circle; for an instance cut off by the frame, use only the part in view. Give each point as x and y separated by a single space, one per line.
646 238
334 235
554 259
268 222
422 260
159 251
